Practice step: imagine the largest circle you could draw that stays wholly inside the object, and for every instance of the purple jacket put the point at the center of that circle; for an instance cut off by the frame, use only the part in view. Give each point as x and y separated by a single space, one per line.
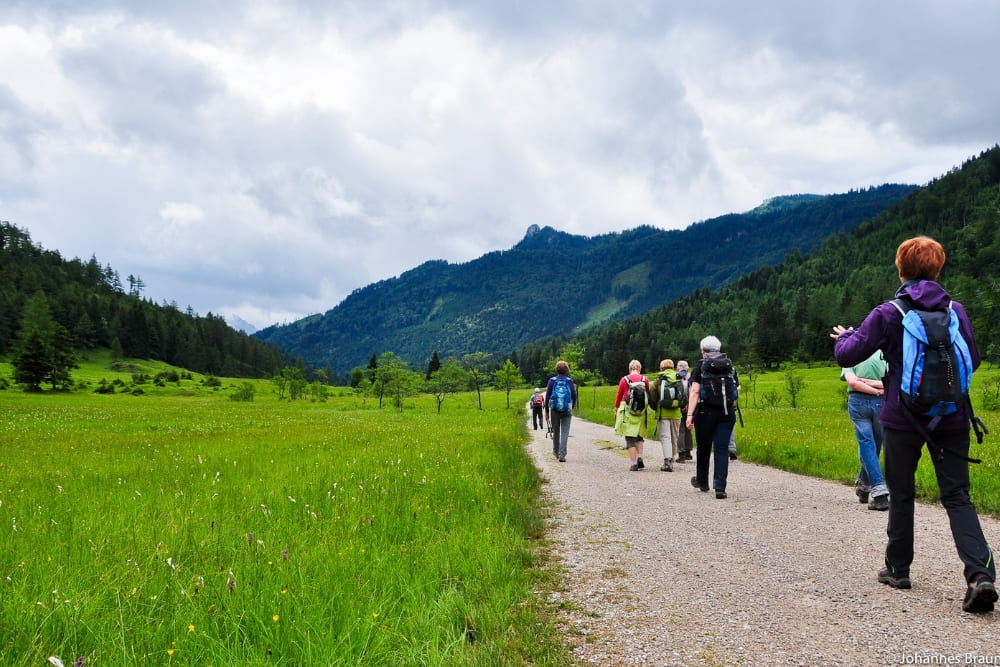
883 329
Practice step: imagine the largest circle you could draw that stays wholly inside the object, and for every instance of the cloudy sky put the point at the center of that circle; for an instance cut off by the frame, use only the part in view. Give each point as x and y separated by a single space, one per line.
264 158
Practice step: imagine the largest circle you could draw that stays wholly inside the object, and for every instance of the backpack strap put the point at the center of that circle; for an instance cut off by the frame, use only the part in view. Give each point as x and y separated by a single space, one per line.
931 445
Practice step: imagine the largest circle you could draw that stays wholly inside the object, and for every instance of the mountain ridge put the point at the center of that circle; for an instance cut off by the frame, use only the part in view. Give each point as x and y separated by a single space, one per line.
553 283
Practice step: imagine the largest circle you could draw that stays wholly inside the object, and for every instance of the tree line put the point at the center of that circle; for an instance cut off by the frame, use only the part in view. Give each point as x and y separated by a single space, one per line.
77 305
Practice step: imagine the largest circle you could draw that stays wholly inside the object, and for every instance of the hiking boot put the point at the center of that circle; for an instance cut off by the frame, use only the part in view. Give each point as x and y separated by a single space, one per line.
639 463
885 576
668 465
862 493
695 484
721 495
732 456
683 456
879 503
981 595
634 467
562 459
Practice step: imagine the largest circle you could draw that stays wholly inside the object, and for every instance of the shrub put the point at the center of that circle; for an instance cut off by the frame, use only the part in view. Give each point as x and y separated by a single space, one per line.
245 392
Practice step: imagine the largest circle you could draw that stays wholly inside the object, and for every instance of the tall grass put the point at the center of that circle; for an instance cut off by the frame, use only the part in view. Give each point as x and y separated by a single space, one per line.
195 530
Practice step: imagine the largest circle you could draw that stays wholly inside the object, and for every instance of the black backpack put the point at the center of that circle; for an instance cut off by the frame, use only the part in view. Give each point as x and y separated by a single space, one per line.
718 382
636 397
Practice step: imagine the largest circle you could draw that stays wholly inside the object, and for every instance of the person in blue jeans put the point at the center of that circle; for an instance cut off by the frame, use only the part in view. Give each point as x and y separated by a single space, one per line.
712 425
865 395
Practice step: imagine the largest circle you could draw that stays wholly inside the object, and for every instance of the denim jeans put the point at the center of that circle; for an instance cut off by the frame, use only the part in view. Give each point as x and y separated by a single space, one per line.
864 410
902 454
560 431
712 429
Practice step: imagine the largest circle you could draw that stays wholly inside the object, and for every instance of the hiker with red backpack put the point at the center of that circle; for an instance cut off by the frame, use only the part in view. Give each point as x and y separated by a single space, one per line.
537 404
889 327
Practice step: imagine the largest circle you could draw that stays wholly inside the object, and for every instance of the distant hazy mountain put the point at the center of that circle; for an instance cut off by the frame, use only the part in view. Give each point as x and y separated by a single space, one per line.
238 323
553 283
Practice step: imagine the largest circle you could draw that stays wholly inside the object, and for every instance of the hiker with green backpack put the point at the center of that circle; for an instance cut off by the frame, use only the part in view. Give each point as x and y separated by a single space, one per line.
668 398
947 354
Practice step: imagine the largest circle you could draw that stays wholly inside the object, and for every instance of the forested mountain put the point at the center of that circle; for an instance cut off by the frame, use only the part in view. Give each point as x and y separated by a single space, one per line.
785 312
553 283
91 304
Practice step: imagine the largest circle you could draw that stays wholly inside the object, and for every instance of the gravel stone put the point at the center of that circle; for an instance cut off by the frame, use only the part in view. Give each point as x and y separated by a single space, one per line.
783 572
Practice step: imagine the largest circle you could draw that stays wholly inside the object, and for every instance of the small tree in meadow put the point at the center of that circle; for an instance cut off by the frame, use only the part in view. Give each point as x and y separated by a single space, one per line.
794 383
450 378
477 366
507 377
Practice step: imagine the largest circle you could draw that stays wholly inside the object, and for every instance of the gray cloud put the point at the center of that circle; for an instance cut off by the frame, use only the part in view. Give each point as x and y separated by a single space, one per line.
267 158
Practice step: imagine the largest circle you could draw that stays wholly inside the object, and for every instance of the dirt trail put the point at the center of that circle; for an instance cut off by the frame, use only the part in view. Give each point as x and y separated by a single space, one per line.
780 573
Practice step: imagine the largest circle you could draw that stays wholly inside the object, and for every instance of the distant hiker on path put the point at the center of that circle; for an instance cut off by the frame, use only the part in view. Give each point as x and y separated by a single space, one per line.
537 403
631 412
685 443
560 399
919 261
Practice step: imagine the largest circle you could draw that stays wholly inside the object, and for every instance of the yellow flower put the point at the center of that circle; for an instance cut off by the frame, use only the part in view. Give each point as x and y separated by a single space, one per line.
170 651
284 590
276 618
190 628
374 614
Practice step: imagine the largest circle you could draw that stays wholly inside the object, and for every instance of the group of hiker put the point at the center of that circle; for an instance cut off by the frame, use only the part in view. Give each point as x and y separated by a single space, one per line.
907 369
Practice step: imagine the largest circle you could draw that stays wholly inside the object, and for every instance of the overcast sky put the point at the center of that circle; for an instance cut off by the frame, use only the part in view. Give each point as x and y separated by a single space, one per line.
266 158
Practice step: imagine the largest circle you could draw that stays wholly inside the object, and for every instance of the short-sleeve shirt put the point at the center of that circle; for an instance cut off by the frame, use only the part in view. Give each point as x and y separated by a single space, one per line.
872 368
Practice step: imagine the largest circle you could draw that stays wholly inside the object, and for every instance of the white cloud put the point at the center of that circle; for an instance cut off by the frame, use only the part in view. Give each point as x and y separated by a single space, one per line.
266 158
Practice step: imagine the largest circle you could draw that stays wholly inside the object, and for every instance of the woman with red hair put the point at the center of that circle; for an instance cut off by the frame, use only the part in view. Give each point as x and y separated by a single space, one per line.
919 261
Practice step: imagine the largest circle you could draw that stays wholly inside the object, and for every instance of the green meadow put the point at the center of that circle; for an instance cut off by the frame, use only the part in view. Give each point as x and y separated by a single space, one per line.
168 524
186 528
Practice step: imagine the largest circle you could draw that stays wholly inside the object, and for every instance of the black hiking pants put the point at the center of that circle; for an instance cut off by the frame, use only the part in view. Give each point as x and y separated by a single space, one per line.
902 454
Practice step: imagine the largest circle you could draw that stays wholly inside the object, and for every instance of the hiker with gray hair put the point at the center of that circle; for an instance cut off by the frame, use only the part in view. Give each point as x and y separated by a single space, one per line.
711 412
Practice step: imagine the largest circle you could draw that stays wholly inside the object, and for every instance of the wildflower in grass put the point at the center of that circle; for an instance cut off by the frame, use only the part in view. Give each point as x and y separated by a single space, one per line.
80 662
55 661
170 651
191 628
283 590
275 618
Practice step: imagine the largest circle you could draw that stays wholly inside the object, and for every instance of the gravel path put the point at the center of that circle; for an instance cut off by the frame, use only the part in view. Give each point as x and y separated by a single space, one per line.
780 573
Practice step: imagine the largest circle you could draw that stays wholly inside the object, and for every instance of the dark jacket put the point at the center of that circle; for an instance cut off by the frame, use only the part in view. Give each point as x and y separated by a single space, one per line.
883 329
